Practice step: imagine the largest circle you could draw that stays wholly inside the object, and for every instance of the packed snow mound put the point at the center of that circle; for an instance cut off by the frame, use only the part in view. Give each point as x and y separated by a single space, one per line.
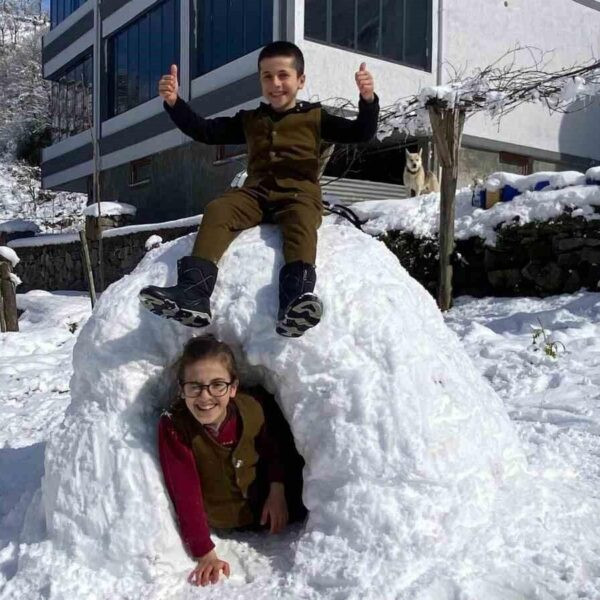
406 444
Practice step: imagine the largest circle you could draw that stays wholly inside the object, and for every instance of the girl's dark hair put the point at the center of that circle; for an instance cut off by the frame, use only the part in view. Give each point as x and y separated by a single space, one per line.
282 48
206 346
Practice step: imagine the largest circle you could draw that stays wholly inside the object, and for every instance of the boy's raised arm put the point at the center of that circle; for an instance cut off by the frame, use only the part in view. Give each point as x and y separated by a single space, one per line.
362 129
222 130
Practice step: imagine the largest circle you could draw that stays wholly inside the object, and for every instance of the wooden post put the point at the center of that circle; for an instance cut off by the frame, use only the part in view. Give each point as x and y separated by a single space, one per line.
94 125
2 319
447 126
9 297
87 267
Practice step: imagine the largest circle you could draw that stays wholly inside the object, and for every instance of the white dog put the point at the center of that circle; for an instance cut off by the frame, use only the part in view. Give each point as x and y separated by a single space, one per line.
415 178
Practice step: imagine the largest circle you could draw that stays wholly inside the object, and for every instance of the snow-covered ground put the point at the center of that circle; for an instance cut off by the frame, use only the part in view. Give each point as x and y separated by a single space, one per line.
35 369
543 541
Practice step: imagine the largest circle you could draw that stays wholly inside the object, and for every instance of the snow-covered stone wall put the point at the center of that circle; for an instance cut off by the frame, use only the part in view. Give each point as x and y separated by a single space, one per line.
58 266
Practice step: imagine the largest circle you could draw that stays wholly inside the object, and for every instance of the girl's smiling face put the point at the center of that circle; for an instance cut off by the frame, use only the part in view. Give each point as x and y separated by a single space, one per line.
209 407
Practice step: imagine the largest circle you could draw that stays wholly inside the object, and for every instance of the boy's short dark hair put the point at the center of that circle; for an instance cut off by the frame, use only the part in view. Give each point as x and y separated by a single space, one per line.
287 49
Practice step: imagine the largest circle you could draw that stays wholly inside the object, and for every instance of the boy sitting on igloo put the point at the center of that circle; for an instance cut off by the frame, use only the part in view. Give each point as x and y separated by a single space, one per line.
283 139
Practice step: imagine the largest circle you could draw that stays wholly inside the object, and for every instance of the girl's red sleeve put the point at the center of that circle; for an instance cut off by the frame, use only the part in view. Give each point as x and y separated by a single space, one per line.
183 484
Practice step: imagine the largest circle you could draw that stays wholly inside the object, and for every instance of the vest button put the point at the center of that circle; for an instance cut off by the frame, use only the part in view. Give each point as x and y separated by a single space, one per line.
238 463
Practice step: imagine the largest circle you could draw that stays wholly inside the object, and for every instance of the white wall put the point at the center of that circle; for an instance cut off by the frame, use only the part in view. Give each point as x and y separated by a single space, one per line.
476 33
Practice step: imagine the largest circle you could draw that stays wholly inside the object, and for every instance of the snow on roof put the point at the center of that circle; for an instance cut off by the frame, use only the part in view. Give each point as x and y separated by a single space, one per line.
18 225
109 209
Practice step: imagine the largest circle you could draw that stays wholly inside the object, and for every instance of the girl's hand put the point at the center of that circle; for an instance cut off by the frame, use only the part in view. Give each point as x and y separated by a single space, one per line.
275 509
208 569
168 86
364 81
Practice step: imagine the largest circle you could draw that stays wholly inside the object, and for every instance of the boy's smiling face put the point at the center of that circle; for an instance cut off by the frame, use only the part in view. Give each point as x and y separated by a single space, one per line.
280 82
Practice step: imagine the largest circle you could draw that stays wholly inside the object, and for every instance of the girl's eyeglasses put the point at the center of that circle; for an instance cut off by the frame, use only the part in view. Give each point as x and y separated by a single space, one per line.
193 389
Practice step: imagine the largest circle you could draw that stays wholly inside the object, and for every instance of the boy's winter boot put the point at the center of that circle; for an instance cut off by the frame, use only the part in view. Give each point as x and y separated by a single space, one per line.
299 308
189 300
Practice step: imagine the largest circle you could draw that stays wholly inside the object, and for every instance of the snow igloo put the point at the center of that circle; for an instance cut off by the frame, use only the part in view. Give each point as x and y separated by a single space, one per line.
405 443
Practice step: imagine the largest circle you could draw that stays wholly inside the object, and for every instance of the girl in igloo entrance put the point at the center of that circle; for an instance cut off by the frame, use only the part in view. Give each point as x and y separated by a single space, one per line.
222 465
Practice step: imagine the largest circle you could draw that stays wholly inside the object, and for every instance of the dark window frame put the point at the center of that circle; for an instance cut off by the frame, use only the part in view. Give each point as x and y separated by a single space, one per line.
516 160
134 168
328 28
69 113
256 25
114 102
61 9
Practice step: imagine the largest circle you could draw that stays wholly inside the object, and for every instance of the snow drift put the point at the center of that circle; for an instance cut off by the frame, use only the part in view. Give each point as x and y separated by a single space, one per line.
406 444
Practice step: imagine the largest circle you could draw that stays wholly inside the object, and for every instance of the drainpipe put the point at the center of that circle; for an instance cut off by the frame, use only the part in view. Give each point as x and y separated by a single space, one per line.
440 42
96 130
438 75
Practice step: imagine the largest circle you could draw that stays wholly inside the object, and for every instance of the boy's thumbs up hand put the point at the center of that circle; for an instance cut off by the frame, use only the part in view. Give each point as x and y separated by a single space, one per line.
365 83
168 86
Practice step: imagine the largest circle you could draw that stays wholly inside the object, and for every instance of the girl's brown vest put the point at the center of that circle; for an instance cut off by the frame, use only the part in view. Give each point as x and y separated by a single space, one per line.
225 473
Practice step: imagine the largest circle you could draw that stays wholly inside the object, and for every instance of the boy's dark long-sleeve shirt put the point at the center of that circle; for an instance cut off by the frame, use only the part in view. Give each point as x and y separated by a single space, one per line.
230 130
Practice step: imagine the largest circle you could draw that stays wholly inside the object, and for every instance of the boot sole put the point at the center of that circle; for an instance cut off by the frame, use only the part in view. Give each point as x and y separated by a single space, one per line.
167 309
301 315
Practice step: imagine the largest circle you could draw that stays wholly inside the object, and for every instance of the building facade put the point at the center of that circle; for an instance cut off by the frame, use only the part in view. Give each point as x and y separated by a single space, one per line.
104 58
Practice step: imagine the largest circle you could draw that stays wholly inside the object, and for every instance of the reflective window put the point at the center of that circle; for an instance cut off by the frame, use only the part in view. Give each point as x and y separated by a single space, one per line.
399 30
139 54
71 99
342 19
315 19
144 67
228 29
61 9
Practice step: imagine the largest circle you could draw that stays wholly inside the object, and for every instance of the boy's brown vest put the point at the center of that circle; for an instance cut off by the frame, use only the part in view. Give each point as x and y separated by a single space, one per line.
285 152
225 473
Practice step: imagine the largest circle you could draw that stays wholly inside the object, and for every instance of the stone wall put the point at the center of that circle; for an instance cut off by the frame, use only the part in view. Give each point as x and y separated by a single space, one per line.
59 266
534 259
